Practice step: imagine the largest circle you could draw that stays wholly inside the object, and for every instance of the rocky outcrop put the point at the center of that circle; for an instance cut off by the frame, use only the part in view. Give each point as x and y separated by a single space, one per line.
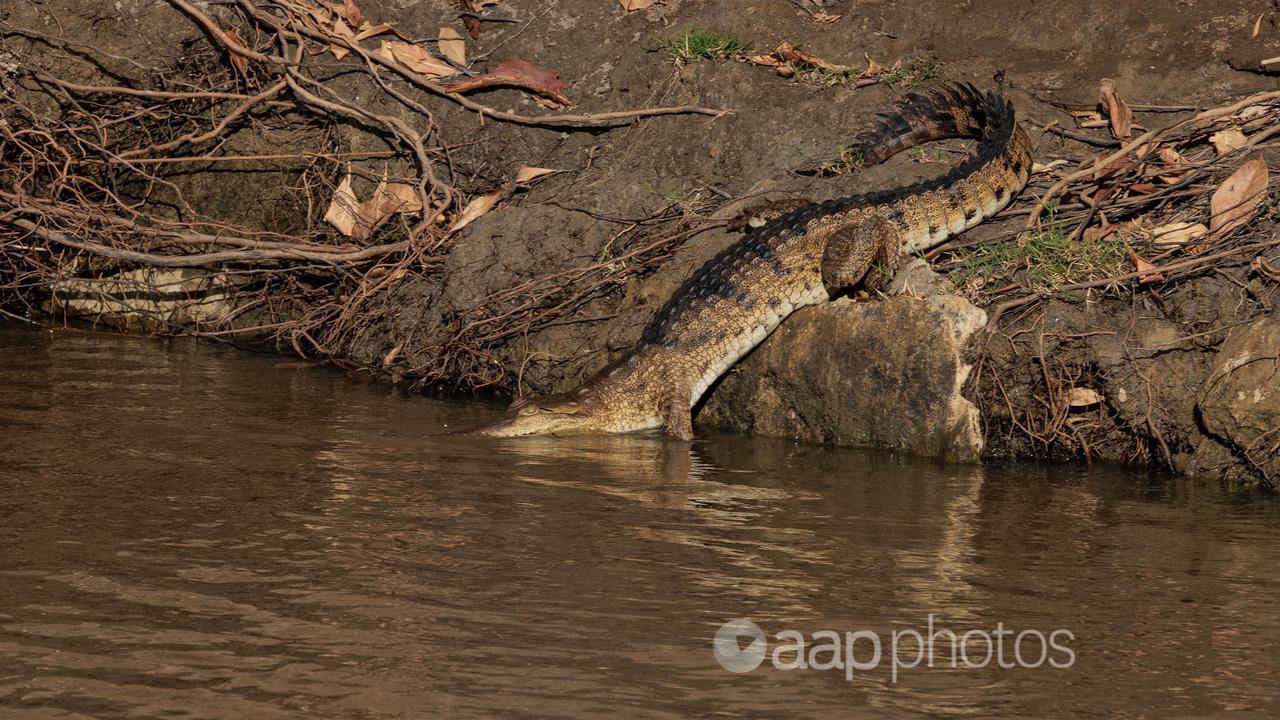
1239 403
883 374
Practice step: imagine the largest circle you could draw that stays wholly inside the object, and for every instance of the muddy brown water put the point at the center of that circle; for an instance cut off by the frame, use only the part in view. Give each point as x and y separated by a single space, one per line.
191 531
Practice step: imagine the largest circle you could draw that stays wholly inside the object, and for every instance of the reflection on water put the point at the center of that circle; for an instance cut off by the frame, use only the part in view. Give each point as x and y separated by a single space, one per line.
186 530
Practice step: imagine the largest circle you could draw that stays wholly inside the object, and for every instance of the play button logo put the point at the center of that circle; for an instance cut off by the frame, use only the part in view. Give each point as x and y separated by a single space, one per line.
740 646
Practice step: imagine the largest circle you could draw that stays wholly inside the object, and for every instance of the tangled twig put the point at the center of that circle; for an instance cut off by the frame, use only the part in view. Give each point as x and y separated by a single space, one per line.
93 187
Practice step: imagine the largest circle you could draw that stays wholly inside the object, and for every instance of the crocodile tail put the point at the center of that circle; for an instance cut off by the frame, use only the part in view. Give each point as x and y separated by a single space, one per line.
943 110
929 211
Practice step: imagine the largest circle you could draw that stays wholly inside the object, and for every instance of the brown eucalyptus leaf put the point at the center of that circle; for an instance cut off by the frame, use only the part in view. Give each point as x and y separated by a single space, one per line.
1224 141
874 69
1177 233
350 13
474 209
1177 165
342 30
1234 202
416 59
239 61
358 220
452 45
525 173
469 11
1143 265
367 31
1118 113
397 197
788 52
343 208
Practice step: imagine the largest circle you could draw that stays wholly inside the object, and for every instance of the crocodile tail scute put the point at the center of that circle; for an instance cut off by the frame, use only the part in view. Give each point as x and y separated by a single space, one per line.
942 110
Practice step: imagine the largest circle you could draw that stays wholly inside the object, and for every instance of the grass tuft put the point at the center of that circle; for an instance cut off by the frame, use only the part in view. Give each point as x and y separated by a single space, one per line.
848 159
912 71
706 45
821 77
1040 261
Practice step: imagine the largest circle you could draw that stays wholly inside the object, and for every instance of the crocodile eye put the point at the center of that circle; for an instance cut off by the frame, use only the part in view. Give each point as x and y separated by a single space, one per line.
529 410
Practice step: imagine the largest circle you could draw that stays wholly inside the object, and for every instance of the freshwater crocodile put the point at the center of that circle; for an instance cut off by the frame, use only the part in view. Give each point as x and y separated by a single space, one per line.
797 258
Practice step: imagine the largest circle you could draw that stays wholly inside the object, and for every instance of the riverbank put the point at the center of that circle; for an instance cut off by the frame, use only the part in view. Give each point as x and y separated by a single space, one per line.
169 177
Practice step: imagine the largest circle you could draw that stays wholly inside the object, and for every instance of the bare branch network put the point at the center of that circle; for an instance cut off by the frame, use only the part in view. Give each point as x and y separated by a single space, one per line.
93 177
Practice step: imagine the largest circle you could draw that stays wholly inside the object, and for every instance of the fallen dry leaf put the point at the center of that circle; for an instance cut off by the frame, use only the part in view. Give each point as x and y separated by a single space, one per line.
321 13
452 46
1177 165
1233 203
1177 233
357 220
342 30
1083 397
241 64
525 173
367 31
1224 141
416 59
785 57
391 198
634 5
793 54
1098 195
1094 234
1253 111
484 203
1118 113
350 13
343 208
1257 26
474 209
319 18
874 69
768 60
1142 265
469 17
518 73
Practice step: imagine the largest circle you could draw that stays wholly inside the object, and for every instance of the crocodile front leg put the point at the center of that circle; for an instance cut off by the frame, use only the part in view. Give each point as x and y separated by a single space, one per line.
852 250
677 416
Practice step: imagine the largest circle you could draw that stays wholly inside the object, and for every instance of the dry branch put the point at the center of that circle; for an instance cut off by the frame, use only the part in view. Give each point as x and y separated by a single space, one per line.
93 172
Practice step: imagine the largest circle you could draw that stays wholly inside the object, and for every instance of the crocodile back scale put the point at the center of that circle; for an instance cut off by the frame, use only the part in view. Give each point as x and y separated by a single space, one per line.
795 259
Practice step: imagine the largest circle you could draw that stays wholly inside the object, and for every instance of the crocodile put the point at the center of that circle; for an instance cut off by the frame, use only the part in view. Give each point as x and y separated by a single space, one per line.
793 258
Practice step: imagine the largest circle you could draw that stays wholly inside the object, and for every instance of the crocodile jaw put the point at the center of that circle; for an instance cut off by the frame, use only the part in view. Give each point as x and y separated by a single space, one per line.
555 415
517 425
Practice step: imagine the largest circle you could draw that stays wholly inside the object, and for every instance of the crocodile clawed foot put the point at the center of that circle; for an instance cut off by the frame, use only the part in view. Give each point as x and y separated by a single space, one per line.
916 278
